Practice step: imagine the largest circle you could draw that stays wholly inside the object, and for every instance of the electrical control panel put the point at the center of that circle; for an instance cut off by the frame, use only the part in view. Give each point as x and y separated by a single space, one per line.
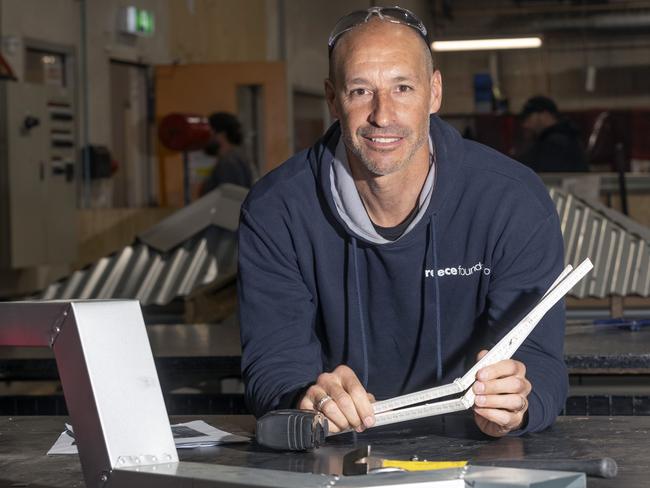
38 175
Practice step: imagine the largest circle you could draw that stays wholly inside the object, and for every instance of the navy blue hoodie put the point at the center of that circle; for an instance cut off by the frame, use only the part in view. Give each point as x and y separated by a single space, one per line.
408 314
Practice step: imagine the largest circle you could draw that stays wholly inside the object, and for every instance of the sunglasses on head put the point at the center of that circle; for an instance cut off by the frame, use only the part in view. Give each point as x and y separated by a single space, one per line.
397 15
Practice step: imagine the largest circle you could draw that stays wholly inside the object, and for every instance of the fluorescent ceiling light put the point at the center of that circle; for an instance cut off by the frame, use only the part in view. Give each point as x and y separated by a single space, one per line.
487 44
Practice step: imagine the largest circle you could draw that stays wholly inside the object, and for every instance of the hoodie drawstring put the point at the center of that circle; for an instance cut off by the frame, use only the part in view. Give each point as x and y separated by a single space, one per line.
362 322
427 305
434 248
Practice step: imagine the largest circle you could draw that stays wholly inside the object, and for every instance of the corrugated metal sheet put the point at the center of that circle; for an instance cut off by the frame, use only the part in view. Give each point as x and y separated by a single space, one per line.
220 207
155 278
618 247
191 248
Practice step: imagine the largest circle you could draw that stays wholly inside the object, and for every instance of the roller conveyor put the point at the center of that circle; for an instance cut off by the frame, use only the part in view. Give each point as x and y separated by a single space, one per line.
196 246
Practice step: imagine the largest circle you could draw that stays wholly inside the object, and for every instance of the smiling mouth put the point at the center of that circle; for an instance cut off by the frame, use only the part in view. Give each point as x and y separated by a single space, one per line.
384 140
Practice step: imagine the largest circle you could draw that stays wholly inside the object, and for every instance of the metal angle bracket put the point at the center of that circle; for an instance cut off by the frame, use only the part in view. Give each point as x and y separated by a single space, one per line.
58 325
144 460
108 375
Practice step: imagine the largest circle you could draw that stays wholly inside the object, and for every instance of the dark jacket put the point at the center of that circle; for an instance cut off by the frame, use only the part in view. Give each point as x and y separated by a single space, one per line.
233 167
557 149
408 314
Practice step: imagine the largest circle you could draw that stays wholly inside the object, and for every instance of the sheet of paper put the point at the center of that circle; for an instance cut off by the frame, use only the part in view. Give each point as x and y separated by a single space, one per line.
199 434
186 436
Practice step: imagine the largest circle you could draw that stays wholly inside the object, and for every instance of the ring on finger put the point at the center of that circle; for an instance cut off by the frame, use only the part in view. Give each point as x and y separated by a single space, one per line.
524 405
321 402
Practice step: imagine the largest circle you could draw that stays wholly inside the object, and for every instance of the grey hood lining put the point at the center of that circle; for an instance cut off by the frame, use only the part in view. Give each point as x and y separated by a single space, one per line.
348 201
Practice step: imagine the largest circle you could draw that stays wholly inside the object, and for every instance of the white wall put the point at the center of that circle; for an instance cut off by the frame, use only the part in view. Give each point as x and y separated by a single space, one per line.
59 22
307 27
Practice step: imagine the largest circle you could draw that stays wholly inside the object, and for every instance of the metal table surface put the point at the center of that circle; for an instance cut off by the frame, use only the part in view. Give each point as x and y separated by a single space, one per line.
591 349
24 441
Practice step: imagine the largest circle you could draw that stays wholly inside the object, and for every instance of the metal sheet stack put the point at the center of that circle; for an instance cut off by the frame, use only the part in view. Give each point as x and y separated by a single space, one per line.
152 277
618 247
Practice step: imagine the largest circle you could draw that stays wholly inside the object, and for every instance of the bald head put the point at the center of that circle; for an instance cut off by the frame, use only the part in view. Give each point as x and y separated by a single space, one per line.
382 89
378 34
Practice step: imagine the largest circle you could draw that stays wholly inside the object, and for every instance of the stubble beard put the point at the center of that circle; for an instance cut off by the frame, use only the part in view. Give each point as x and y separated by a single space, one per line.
371 164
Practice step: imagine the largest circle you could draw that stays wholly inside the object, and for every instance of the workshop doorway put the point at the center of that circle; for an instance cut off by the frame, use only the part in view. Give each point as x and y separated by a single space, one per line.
250 102
133 180
310 118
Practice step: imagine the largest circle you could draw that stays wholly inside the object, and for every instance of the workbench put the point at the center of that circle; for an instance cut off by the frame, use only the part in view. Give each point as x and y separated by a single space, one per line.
603 364
25 440
606 350
609 370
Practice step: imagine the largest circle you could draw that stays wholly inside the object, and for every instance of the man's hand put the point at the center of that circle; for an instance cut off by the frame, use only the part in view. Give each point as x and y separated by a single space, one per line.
501 396
341 397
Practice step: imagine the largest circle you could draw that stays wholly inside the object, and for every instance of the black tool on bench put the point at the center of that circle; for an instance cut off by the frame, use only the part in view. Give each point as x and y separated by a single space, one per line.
291 430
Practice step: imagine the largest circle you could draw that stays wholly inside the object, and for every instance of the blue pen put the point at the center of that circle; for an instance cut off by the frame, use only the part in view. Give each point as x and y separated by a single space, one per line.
631 324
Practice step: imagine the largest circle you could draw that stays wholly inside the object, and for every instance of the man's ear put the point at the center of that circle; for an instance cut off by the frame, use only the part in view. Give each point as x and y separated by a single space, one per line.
330 96
436 92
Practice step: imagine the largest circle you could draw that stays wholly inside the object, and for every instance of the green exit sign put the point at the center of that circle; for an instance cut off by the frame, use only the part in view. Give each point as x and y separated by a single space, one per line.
137 21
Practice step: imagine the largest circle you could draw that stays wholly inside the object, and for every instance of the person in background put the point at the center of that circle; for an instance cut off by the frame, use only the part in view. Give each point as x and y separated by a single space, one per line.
232 164
381 260
555 144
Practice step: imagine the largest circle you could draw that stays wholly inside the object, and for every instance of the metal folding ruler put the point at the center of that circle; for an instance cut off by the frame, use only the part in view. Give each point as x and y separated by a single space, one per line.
393 410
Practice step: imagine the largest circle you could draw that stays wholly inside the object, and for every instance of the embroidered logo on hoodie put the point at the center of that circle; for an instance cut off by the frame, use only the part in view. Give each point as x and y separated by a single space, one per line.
458 271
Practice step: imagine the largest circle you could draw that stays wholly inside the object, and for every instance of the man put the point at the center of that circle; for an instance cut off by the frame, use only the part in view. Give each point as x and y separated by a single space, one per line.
372 264
232 164
555 143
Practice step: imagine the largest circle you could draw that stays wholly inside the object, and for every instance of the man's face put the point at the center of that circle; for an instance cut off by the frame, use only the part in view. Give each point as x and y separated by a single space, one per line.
532 123
536 122
382 94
